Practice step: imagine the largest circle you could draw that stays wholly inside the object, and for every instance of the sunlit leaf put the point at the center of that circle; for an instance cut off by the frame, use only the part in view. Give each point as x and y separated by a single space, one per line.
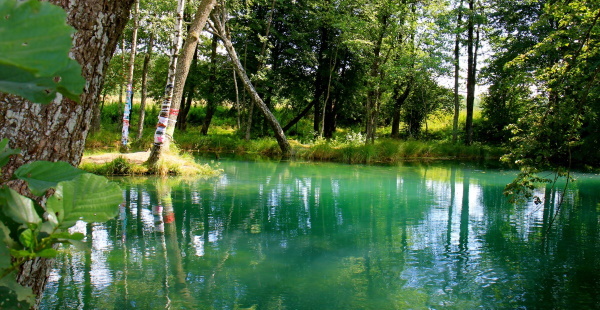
34 52
23 293
88 197
18 207
42 175
27 238
47 253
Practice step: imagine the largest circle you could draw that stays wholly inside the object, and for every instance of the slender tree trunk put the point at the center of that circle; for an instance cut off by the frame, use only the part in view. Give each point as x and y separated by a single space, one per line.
169 113
320 78
219 26
122 79
456 74
373 93
299 116
129 103
57 131
145 69
238 106
471 69
211 105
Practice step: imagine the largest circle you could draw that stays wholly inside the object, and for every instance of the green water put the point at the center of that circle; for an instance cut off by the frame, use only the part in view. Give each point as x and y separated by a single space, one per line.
329 236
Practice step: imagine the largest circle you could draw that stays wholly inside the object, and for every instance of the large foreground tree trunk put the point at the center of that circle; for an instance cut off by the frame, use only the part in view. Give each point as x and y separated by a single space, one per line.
57 131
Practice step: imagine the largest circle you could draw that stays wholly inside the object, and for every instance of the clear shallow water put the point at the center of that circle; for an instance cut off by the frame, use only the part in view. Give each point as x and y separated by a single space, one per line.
328 236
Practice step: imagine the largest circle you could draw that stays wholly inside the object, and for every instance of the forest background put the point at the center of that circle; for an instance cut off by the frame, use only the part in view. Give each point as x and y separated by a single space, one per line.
343 74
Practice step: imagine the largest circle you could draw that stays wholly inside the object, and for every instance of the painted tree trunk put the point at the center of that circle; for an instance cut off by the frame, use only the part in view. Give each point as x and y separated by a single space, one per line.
131 67
175 87
144 87
160 135
57 131
284 145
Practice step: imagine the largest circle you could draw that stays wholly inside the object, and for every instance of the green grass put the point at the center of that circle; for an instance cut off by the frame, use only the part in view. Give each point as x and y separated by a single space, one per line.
347 146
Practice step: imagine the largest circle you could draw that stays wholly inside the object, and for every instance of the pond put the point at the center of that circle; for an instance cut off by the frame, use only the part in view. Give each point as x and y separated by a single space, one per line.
299 235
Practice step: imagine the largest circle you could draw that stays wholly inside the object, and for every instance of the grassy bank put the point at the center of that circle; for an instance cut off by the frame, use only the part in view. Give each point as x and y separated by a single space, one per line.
130 164
347 146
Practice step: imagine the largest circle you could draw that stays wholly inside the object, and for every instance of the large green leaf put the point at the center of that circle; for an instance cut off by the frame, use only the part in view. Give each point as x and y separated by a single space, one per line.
42 175
34 52
6 152
5 258
88 197
18 207
23 293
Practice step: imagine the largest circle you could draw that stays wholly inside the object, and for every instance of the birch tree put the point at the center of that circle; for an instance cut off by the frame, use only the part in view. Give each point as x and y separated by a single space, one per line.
57 131
219 27
163 117
128 104
180 67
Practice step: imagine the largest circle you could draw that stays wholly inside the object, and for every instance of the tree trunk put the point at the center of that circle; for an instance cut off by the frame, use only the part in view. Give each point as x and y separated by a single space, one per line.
219 26
129 103
299 116
183 67
57 131
320 78
161 136
456 74
399 100
373 93
471 69
144 90
211 104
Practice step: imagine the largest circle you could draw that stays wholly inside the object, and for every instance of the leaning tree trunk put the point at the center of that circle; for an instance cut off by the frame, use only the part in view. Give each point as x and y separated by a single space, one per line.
160 135
222 32
178 82
57 131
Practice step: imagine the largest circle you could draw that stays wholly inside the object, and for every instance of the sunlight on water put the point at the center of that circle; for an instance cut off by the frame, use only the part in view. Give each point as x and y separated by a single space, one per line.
295 235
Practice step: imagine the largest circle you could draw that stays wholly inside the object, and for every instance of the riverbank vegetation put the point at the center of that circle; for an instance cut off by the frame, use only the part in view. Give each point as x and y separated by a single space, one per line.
373 81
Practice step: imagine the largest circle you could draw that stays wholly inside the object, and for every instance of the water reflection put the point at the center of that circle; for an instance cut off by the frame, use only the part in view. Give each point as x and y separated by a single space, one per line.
325 236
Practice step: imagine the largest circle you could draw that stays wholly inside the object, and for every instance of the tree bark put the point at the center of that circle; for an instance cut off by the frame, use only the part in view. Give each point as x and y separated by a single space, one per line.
144 90
399 100
183 67
131 65
211 104
57 131
373 93
161 135
221 31
471 71
456 74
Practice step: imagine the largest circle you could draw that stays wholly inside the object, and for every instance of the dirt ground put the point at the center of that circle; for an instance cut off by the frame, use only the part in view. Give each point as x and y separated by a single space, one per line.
136 158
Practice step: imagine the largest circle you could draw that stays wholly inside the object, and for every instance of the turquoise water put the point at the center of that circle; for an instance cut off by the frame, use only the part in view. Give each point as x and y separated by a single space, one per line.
295 235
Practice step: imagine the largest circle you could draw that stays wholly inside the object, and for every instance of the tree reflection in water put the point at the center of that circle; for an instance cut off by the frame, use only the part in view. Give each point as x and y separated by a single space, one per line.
326 236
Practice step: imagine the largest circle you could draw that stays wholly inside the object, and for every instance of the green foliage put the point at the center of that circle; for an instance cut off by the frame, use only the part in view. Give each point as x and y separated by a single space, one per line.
34 50
26 233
